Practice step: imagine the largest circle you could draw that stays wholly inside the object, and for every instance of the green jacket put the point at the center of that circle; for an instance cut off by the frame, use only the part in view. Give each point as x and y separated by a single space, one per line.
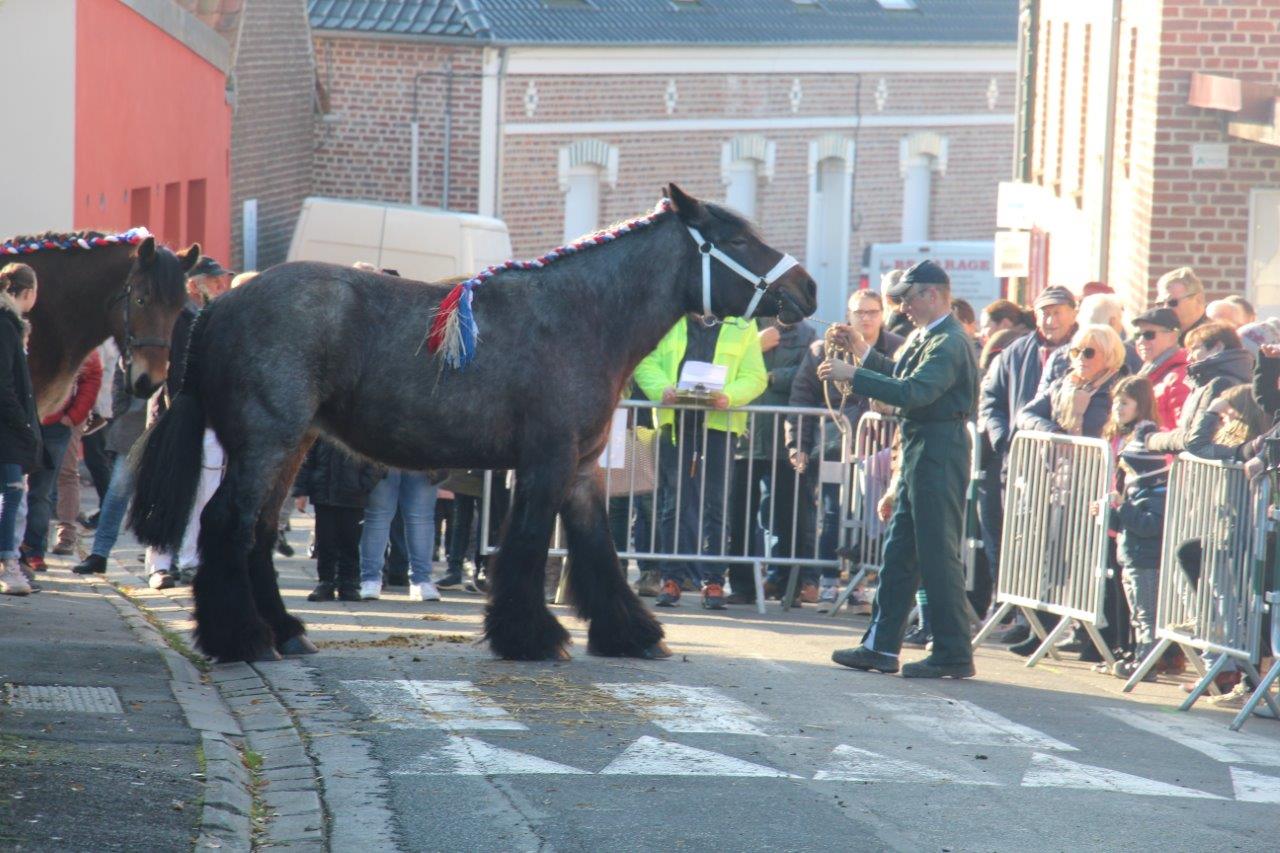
934 378
737 348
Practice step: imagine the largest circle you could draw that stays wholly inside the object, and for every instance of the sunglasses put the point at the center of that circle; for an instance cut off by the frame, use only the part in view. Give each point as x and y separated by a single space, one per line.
871 312
1087 352
1173 302
1148 335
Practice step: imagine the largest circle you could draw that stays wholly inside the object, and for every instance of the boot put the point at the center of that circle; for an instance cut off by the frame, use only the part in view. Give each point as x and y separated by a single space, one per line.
12 581
324 591
91 565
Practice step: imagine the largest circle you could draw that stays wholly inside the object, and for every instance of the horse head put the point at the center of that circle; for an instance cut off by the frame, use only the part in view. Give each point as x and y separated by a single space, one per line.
764 283
154 294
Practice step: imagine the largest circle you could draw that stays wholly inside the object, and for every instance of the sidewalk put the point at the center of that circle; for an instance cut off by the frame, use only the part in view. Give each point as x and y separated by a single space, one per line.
95 752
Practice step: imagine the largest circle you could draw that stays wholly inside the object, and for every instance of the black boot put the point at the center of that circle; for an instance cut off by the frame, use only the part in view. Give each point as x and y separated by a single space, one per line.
91 565
452 577
324 591
349 591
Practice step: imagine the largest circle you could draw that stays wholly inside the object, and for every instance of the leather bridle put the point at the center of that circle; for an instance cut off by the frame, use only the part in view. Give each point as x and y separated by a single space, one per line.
130 341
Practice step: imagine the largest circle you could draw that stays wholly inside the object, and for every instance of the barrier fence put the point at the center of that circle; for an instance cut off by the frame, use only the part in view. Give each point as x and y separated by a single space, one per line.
870 470
1053 550
681 492
1213 572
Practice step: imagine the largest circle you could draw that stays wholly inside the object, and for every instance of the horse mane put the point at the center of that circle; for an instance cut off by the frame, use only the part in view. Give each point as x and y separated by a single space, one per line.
27 244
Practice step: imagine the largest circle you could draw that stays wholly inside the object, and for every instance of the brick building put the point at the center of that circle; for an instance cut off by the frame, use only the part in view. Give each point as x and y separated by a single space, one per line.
559 116
271 88
1148 140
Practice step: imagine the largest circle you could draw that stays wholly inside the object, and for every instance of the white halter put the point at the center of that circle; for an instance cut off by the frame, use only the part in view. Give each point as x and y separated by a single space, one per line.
762 283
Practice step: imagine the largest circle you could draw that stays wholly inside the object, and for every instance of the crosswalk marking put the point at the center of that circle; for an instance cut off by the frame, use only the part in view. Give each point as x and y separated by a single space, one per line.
1052 771
1210 737
691 710
1253 787
650 756
467 756
449 705
850 764
958 722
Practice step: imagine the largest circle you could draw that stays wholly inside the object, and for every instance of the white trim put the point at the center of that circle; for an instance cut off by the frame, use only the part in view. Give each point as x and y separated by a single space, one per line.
588 152
751 147
570 128
916 58
932 146
490 107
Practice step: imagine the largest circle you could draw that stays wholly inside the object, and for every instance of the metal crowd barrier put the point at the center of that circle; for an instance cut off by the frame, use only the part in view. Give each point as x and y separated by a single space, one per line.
1053 552
772 534
870 471
1223 613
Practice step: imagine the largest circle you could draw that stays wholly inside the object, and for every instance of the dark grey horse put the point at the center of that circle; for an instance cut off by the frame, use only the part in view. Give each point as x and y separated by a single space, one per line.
307 349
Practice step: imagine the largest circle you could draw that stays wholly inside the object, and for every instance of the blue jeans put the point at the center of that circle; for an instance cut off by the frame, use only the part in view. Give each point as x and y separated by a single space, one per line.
11 487
689 468
40 489
416 497
113 507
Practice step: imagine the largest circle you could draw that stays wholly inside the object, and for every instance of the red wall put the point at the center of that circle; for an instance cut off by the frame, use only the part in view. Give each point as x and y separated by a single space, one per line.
151 115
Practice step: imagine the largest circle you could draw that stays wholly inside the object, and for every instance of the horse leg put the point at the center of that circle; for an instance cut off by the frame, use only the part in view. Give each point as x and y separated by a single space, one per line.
290 633
517 622
229 626
620 625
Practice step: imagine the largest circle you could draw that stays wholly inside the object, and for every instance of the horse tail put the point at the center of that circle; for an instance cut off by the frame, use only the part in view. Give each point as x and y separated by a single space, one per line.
166 461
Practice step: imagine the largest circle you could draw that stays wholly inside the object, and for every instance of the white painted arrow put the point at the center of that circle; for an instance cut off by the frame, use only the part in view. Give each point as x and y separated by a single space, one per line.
1253 787
1051 771
468 756
650 756
692 710
1209 737
959 723
450 705
850 764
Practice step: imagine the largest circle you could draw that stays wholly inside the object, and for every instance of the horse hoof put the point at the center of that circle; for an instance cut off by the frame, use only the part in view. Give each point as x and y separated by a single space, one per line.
658 651
298 645
268 656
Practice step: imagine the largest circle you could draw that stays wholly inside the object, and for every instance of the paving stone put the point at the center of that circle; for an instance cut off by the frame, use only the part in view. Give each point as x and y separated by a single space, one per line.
232 771
286 803
229 795
209 841
231 672
287 828
180 668
221 722
290 756
217 748
289 774
260 740
225 825
267 720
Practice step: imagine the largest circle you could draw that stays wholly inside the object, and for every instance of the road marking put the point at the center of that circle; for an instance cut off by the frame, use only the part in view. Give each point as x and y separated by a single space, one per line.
692 710
449 705
850 764
1210 737
650 756
1052 771
770 662
958 722
1253 787
468 756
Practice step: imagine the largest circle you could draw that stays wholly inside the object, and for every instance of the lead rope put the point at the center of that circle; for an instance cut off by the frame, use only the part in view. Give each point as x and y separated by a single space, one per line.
833 351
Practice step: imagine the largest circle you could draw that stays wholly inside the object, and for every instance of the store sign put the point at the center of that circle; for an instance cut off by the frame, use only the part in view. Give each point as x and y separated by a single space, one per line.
1012 254
1210 155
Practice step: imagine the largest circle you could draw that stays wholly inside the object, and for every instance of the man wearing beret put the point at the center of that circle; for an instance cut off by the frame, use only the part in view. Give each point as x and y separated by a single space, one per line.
933 383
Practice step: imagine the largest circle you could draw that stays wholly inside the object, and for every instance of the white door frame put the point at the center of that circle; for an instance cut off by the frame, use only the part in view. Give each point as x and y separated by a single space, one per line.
829 147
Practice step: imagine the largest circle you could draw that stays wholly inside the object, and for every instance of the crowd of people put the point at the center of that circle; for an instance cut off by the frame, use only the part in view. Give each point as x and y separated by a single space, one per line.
1186 375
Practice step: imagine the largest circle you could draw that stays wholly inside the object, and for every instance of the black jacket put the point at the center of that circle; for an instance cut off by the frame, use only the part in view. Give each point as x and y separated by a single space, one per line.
331 477
782 363
1140 524
1210 378
806 390
19 424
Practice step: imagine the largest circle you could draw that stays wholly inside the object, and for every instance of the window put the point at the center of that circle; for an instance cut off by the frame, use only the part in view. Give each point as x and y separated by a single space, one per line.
743 160
1264 251
582 202
196 197
1082 140
140 207
172 214
919 156
830 213
740 193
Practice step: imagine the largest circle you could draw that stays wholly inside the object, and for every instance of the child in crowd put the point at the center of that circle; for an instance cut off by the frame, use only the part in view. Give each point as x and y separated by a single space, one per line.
339 488
1137 512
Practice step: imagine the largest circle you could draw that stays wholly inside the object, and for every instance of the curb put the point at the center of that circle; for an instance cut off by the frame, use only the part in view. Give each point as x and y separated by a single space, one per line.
258 771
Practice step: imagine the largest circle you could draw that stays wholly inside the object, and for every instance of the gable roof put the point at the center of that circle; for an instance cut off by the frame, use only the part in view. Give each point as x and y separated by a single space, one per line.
650 22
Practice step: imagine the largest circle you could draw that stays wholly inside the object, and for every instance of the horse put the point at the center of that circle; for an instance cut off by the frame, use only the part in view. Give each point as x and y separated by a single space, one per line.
310 349
94 286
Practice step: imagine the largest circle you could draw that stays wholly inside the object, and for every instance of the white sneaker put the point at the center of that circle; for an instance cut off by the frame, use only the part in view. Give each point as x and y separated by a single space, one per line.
11 580
828 593
425 591
371 590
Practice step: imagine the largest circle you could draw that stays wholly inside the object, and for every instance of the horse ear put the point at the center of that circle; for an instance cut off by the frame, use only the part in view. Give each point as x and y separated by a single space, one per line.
189 256
147 251
686 206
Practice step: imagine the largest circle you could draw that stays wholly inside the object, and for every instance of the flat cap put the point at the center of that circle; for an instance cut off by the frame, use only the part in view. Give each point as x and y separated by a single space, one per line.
207 266
1163 317
1055 295
925 272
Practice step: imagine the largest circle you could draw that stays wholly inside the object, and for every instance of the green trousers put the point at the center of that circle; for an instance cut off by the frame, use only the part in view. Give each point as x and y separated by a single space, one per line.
923 544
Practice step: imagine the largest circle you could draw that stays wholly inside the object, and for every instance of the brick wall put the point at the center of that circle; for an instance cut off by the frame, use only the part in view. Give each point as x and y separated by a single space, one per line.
963 202
273 129
1200 217
363 143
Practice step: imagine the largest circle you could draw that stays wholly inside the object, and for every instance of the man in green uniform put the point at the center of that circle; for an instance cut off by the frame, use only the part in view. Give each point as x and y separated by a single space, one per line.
934 384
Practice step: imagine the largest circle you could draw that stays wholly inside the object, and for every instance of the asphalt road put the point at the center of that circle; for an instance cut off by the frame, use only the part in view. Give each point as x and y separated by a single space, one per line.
750 739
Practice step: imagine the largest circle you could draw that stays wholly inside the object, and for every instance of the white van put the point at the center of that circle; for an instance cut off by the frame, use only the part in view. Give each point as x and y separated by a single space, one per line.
420 243
969 264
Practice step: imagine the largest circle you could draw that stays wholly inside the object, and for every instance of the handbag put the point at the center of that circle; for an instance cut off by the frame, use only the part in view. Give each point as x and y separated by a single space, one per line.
638 472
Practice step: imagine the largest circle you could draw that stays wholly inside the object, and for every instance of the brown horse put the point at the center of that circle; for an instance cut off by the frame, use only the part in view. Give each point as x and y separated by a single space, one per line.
94 286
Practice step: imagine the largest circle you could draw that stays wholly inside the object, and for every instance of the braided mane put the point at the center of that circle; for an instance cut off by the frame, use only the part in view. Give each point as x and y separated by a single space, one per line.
69 240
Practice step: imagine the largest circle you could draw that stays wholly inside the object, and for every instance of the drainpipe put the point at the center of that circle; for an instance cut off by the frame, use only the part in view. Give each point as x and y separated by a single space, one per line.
448 132
1109 151
1029 31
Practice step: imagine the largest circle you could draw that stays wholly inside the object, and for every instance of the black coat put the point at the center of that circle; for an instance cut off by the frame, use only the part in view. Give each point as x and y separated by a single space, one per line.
329 476
1140 524
19 423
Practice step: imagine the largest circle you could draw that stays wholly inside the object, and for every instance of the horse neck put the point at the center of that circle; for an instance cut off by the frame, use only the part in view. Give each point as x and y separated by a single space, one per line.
72 312
640 286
